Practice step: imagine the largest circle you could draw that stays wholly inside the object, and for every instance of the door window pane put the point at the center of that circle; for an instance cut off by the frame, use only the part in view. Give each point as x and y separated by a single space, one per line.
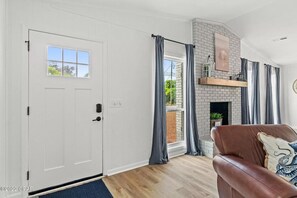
83 71
69 55
83 57
54 68
54 53
69 70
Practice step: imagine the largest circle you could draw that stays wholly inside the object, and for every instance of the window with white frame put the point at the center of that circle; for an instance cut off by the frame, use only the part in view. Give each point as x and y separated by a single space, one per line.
274 95
67 62
250 87
174 91
253 92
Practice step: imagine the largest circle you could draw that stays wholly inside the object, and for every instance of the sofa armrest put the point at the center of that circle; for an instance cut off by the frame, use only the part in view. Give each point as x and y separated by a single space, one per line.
251 180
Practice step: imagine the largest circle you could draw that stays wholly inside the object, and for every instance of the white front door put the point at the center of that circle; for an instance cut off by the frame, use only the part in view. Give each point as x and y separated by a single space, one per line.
65 86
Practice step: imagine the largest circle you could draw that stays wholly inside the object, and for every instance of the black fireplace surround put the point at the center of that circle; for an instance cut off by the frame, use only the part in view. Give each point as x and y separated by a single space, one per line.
224 109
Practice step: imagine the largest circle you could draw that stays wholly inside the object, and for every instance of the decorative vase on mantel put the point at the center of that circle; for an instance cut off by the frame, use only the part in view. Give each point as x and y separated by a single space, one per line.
206 70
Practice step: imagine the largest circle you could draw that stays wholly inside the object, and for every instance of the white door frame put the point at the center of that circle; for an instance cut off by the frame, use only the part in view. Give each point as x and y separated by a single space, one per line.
25 102
3 132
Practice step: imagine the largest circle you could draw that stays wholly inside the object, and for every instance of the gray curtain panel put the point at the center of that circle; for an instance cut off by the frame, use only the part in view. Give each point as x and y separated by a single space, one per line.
245 115
255 114
272 116
159 153
269 117
277 73
191 119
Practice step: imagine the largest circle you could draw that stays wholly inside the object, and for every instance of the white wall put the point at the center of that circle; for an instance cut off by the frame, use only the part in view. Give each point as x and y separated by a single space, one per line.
251 54
290 97
2 95
129 58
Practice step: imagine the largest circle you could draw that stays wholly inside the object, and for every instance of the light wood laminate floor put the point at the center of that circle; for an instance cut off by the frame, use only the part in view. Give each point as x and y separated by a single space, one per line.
185 176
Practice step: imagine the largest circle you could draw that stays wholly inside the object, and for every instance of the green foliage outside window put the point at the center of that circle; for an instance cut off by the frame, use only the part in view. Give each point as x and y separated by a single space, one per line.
54 70
170 92
68 71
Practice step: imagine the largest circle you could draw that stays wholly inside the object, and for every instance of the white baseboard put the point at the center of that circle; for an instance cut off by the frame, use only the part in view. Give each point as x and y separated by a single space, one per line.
127 167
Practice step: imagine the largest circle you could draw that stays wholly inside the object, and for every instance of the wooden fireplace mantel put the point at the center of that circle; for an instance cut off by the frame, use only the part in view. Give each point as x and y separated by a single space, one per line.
221 82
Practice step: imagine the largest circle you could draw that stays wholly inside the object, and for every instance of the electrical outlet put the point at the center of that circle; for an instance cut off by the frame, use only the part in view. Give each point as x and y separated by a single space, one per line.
116 103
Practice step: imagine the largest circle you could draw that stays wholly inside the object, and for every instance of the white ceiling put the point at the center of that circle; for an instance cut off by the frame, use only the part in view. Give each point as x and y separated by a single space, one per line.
216 10
260 27
258 22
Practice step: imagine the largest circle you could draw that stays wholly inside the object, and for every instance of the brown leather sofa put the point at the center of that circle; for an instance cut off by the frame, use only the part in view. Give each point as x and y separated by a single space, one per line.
240 162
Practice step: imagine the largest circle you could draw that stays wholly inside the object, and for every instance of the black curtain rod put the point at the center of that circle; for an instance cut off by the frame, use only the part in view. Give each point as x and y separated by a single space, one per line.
270 65
250 60
172 40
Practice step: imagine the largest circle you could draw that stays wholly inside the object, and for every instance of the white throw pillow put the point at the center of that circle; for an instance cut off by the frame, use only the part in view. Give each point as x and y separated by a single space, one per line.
281 157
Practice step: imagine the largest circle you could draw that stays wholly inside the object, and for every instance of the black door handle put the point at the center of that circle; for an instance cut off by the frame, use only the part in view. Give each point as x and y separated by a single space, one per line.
97 119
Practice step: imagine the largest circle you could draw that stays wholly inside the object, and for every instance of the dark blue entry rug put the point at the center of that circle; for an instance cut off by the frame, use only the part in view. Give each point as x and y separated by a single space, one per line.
95 189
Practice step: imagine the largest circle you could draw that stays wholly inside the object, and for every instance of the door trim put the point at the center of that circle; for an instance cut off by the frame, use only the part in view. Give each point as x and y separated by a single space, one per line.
25 102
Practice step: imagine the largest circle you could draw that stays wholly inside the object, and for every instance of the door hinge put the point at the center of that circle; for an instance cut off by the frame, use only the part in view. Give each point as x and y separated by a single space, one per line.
28 110
28 45
28 175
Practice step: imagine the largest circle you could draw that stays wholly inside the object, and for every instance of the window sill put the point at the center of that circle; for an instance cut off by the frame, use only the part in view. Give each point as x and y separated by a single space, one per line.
176 149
